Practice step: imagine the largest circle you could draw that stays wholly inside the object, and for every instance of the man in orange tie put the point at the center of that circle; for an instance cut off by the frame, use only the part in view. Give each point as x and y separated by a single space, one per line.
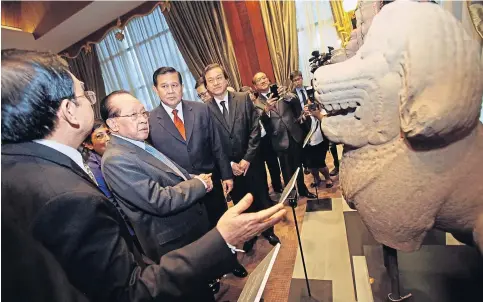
184 131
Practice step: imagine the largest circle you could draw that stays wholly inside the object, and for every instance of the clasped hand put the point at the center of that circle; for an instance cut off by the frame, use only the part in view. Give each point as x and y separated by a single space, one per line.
206 178
240 168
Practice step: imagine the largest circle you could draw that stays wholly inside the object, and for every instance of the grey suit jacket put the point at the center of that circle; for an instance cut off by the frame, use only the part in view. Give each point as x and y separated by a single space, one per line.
161 206
283 122
202 152
241 135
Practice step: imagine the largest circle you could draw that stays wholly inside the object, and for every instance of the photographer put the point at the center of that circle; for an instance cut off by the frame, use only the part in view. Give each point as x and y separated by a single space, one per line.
316 150
282 126
317 60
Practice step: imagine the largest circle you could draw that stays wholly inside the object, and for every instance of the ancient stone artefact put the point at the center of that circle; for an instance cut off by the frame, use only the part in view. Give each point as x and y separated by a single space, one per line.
406 108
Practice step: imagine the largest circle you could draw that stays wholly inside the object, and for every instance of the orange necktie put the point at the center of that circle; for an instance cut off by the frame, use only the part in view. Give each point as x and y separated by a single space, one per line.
179 124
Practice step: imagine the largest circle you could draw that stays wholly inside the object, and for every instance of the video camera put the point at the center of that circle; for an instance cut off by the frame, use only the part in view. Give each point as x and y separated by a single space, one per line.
319 59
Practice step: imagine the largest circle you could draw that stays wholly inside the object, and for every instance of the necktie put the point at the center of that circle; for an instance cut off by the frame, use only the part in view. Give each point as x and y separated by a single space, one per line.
179 124
165 160
304 98
225 111
89 172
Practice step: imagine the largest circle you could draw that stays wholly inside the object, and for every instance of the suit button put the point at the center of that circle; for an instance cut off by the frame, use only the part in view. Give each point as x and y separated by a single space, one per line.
231 137
200 212
193 166
189 150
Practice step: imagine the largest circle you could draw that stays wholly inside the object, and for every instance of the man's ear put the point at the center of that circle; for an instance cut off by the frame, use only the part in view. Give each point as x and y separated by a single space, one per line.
67 112
113 126
155 89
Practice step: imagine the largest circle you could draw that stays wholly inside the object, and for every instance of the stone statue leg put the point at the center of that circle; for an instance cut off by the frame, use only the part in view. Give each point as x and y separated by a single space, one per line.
390 262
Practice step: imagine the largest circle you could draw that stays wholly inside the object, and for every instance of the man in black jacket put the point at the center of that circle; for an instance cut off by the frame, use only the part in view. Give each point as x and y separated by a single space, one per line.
286 133
236 120
48 192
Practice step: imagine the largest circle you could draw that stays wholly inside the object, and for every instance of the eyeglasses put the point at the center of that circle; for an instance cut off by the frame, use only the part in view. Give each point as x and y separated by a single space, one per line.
102 135
135 116
89 95
203 94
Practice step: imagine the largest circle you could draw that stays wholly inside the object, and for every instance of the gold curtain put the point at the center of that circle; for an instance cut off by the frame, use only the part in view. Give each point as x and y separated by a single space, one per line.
279 20
201 33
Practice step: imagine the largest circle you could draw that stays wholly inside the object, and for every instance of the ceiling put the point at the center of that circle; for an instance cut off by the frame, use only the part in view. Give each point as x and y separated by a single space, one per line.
55 25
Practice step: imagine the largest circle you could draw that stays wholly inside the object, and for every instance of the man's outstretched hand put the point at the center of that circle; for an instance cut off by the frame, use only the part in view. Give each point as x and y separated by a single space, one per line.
237 227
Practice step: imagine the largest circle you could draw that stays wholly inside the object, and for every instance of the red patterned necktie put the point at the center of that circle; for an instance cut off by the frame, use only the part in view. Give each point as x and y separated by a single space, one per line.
179 124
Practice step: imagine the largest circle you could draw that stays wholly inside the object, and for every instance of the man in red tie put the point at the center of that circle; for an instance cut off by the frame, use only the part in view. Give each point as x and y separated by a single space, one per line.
184 131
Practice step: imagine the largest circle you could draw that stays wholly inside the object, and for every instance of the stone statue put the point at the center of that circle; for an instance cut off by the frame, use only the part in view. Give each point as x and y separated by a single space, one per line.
406 108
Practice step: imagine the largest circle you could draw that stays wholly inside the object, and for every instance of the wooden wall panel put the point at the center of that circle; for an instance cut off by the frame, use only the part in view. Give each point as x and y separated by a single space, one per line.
249 40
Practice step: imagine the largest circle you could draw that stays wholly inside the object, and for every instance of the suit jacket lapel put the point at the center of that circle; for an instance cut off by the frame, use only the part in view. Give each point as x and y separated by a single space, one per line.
218 114
165 121
233 105
189 120
144 155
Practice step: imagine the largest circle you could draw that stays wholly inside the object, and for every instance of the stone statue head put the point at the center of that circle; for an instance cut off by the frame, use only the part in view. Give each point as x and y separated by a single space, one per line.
418 74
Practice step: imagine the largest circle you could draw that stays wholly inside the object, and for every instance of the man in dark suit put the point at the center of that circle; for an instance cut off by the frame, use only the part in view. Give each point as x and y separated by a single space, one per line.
160 198
300 92
48 192
268 155
236 120
286 133
184 132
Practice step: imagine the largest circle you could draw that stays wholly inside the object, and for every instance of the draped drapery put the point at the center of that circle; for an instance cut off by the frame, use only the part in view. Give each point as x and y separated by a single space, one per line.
87 69
316 31
279 20
147 45
200 30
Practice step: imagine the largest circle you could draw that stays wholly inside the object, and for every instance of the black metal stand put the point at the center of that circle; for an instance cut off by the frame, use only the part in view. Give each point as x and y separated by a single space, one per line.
292 201
316 191
390 262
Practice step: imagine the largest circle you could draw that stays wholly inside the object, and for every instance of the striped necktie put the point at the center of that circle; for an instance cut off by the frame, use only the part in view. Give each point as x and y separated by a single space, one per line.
89 172
165 160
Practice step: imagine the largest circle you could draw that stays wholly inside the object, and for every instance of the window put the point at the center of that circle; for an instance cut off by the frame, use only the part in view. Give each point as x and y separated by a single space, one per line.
129 64
316 31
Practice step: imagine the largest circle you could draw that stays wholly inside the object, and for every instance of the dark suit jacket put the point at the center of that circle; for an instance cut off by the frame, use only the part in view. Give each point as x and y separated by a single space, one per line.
241 135
49 196
283 122
202 152
297 109
161 206
33 273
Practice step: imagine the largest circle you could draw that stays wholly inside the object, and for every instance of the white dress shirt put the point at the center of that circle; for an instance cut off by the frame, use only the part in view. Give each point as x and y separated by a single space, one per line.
169 111
66 150
317 137
218 102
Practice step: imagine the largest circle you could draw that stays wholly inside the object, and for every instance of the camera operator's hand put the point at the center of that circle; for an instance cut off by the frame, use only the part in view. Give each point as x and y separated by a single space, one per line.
270 104
237 227
282 91
315 113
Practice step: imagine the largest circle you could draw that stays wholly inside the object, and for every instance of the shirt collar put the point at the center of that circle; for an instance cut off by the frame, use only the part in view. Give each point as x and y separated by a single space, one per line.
141 145
169 110
218 101
64 149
